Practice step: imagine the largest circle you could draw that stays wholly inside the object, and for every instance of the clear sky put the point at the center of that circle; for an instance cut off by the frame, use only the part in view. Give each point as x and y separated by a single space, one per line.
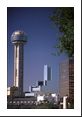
42 36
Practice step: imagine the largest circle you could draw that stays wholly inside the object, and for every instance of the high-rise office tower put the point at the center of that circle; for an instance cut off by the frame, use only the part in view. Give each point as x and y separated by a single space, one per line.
18 38
66 81
47 74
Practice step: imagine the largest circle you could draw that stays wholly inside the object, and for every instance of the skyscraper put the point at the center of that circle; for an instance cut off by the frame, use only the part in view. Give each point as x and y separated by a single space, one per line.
66 81
18 38
47 74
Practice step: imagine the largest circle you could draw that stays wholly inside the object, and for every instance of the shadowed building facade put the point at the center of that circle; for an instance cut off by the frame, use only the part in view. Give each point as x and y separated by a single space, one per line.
66 81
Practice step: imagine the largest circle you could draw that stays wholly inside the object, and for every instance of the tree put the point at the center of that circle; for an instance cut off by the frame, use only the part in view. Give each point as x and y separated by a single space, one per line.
13 90
64 18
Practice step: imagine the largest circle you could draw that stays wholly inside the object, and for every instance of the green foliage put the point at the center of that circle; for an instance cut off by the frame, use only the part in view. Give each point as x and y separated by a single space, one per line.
64 18
13 89
48 105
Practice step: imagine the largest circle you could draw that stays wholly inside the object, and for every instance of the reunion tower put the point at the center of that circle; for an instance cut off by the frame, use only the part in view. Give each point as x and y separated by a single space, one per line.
18 38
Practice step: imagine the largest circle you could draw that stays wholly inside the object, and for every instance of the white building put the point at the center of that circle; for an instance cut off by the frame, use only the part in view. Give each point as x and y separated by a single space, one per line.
47 74
8 91
36 89
54 95
29 94
40 98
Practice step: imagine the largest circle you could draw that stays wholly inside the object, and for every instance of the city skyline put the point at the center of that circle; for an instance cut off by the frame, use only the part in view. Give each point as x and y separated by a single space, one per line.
42 36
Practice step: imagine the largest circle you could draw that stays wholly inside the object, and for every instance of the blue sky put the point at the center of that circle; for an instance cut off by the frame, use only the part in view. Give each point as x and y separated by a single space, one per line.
42 36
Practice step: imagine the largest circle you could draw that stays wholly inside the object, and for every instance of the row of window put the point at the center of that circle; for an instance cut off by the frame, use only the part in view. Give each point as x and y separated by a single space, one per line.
22 102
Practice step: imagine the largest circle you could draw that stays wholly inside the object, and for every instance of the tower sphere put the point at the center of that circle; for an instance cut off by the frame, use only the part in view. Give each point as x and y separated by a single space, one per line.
18 37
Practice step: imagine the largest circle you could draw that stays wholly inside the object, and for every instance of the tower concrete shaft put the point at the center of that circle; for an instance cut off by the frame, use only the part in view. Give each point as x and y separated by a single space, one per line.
18 66
18 38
